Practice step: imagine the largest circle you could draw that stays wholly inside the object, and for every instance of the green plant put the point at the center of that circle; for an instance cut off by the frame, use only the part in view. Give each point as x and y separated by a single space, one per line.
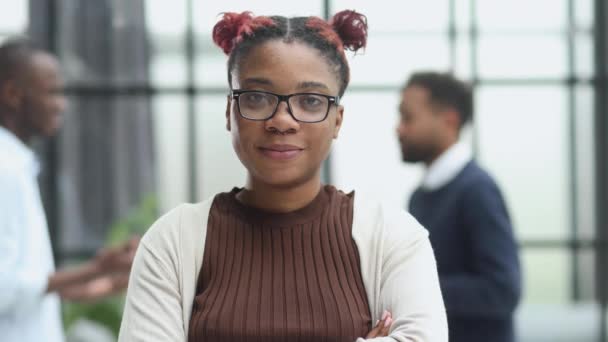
107 312
136 222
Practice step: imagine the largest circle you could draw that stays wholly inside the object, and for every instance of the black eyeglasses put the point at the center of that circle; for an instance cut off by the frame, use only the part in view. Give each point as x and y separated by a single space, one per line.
262 105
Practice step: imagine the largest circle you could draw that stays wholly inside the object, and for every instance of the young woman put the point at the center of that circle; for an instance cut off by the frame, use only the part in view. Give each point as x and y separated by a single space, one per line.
285 258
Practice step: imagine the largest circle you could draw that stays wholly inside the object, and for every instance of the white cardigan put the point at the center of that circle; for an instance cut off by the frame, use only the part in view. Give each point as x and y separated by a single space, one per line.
397 266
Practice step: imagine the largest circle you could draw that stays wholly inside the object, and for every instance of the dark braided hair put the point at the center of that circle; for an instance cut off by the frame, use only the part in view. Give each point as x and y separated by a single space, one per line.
238 33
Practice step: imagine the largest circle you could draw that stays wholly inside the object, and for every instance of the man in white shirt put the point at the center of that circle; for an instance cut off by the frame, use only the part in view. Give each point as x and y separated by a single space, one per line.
31 103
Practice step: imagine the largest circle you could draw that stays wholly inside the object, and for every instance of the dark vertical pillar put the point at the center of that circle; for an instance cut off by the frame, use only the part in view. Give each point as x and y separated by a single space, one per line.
601 150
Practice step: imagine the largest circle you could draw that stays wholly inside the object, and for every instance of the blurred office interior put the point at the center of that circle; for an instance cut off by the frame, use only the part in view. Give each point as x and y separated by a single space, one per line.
146 123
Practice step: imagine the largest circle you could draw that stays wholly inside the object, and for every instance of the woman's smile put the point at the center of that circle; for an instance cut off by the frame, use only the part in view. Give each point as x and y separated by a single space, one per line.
281 151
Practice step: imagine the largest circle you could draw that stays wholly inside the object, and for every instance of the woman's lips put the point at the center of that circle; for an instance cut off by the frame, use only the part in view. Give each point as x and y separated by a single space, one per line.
281 152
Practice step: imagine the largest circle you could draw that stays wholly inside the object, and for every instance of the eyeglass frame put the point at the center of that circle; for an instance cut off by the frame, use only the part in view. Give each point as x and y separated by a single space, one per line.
235 93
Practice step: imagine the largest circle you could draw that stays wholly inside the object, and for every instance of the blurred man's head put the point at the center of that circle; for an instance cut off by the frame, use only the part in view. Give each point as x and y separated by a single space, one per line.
434 107
31 99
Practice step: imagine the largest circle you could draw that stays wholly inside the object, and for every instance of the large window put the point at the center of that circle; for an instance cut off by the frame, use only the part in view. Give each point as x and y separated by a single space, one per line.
533 130
148 91
13 18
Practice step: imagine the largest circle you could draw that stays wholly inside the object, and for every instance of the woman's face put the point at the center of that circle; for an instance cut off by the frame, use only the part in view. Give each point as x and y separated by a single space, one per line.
282 151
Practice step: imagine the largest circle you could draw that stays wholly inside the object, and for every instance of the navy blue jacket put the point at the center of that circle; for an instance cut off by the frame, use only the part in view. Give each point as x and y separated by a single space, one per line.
476 253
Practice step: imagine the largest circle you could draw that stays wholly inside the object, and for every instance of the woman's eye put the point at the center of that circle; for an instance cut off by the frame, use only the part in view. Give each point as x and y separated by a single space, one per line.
310 101
254 98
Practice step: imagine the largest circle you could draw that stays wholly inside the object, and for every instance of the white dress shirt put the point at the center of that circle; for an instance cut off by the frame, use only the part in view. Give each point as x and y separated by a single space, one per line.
447 166
27 313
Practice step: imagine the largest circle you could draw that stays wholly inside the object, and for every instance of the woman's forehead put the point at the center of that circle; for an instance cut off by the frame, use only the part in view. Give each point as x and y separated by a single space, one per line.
280 64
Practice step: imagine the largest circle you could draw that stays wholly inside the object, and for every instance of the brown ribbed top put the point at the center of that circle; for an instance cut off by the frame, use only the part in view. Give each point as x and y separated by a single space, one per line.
280 276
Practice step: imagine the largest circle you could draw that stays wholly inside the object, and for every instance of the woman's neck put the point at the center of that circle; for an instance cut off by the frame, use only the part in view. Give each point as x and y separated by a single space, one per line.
279 199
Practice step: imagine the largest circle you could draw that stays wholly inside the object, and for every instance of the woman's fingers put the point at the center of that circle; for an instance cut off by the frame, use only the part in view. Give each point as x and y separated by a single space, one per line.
386 327
375 332
382 326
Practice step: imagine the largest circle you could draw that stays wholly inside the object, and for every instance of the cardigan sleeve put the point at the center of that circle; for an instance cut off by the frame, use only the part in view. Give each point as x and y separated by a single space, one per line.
408 281
153 308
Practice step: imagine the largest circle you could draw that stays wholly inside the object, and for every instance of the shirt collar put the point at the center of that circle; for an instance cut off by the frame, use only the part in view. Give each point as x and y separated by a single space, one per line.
15 151
447 166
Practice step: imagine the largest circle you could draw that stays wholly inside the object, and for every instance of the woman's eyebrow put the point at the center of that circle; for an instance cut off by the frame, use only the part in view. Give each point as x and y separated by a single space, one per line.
257 81
312 84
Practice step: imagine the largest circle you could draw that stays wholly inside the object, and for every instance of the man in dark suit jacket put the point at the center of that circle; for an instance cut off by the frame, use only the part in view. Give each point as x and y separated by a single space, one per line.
463 209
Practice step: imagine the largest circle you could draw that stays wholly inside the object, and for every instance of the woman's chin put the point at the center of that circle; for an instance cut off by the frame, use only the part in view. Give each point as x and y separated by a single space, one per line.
284 179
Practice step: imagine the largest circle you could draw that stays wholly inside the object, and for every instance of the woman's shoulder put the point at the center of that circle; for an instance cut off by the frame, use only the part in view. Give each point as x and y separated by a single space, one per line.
375 218
181 222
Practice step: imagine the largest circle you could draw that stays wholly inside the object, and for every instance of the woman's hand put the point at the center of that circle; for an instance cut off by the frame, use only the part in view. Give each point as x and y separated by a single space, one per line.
382 326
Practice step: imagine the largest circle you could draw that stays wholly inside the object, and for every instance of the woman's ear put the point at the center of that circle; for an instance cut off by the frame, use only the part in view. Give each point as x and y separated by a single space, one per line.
339 117
228 105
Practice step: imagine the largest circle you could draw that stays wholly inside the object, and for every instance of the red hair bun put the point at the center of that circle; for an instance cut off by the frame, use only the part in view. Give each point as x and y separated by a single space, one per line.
230 30
352 29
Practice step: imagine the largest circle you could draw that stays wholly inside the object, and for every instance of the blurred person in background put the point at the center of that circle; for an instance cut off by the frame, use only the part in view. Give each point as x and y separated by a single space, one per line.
285 257
31 103
463 209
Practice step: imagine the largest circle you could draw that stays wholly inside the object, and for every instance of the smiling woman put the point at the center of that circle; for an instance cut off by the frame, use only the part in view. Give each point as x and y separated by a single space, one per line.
285 257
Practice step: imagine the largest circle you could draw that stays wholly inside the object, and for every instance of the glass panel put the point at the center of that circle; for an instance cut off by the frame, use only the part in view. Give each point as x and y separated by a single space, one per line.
467 135
546 313
103 41
523 141
546 276
558 323
219 168
390 58
463 14
14 16
586 274
583 54
166 18
583 11
171 146
404 15
106 167
522 15
463 62
166 26
103 150
585 161
372 165
168 69
210 62
522 56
